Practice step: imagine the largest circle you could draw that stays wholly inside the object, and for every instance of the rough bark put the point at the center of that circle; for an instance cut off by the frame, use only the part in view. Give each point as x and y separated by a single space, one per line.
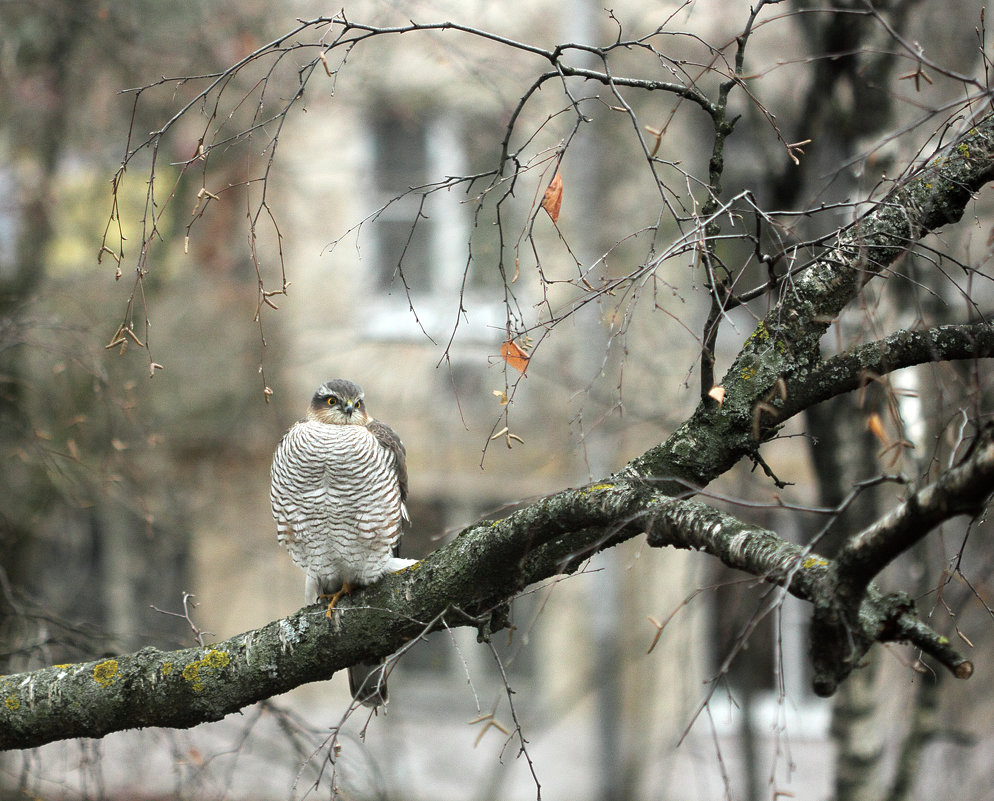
464 583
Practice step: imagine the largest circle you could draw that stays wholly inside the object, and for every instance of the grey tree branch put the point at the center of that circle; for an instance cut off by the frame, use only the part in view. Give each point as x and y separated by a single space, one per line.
466 582
836 650
853 369
962 490
781 357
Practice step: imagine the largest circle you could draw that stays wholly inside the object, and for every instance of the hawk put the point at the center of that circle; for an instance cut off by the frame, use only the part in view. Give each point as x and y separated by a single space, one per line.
339 483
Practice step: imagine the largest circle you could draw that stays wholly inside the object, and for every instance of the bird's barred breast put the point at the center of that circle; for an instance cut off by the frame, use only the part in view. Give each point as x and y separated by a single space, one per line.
336 500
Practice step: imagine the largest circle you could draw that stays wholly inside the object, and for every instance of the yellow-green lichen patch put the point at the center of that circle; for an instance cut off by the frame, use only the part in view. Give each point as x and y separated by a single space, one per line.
105 673
814 561
63 667
12 702
761 334
214 660
599 487
747 373
167 668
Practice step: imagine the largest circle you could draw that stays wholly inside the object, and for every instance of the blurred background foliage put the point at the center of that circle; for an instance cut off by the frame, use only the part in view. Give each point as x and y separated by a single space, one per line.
98 462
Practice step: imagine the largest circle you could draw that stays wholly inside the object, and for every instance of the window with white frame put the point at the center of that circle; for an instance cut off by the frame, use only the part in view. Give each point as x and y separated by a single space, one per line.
417 241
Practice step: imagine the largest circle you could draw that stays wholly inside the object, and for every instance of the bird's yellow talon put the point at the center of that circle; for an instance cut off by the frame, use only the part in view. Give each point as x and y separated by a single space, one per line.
345 590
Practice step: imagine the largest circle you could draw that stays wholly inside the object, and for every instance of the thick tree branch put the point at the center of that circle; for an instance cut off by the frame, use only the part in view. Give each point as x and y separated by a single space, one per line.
783 350
463 583
855 368
467 582
962 490
836 649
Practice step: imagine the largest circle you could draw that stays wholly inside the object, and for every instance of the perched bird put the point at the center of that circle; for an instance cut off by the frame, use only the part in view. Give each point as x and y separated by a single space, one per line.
339 483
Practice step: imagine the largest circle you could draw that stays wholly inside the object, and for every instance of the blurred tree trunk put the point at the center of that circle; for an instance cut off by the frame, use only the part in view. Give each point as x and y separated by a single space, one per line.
74 565
23 484
846 105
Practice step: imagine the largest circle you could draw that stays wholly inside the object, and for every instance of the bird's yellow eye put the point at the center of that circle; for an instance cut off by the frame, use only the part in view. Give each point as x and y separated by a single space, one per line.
332 401
358 404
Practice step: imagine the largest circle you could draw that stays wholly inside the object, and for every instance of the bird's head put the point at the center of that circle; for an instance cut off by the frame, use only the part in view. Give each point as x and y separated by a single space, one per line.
338 402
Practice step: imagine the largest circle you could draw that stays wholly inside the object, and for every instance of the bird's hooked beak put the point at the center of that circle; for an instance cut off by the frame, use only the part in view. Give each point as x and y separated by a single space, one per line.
349 407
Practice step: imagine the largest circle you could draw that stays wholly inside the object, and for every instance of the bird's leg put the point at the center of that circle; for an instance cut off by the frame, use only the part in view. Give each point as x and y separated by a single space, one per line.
345 590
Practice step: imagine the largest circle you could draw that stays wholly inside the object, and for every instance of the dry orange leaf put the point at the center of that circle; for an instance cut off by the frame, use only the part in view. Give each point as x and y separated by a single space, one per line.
717 392
876 427
553 199
514 355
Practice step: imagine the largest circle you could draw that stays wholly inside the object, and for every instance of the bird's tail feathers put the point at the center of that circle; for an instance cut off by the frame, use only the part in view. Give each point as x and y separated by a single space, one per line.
368 683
